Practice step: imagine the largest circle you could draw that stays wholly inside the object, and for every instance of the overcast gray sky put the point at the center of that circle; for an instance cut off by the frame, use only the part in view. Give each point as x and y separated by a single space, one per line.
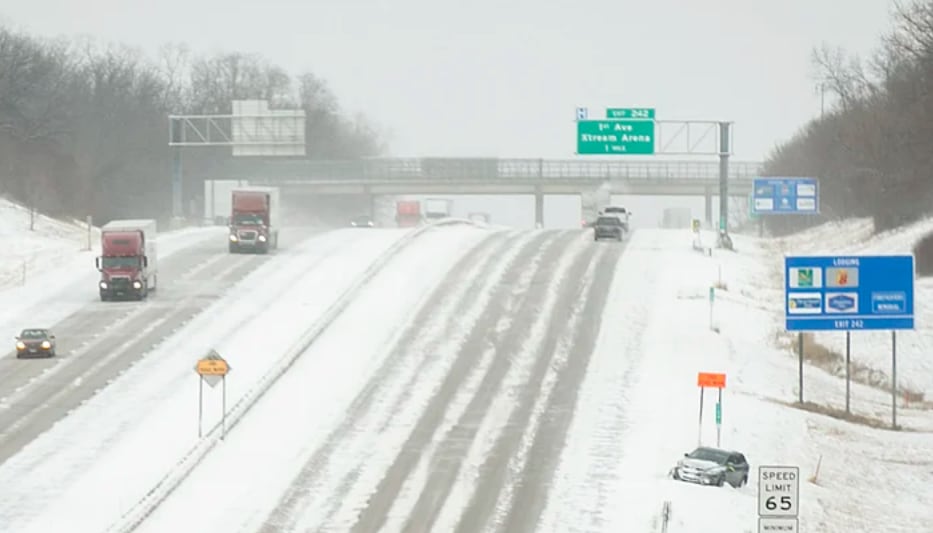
503 78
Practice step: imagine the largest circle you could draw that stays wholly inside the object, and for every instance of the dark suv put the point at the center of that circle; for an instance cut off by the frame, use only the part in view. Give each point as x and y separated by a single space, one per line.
712 466
608 227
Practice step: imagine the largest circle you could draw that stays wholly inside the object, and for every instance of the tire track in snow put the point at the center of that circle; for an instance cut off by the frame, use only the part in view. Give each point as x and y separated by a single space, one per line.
530 496
103 317
451 293
583 485
470 383
504 303
545 328
55 398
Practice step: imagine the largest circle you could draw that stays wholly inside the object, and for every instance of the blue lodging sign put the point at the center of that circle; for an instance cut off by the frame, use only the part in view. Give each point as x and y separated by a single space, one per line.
848 292
786 196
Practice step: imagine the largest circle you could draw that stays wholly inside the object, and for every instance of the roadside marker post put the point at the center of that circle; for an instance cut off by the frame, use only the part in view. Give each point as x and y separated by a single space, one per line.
715 381
213 369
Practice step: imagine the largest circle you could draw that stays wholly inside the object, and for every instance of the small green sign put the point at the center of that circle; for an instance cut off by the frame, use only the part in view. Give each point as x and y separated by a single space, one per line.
619 137
642 113
712 293
718 413
805 277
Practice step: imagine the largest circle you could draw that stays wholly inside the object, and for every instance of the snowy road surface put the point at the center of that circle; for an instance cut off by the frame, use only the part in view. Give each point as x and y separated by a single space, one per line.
101 339
91 466
452 406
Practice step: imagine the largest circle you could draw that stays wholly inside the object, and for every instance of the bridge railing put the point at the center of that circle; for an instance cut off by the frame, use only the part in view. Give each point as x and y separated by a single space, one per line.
491 168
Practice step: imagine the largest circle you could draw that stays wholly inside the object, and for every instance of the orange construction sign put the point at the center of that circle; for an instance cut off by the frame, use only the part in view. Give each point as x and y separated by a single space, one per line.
712 380
212 367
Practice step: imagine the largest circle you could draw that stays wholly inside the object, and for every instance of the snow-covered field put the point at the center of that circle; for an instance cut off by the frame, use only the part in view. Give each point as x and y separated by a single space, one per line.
638 414
27 254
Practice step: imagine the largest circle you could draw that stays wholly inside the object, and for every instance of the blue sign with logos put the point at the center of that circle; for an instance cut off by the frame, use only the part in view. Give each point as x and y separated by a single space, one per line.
848 293
786 196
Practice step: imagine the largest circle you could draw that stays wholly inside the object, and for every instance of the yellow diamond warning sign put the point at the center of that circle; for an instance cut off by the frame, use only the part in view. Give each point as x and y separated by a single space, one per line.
212 365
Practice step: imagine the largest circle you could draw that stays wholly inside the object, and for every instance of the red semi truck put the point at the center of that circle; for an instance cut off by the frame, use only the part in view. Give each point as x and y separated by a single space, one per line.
128 263
407 213
254 218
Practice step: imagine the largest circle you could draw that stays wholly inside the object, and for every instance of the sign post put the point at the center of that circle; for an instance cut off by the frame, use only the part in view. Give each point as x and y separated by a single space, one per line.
213 369
778 499
850 293
716 381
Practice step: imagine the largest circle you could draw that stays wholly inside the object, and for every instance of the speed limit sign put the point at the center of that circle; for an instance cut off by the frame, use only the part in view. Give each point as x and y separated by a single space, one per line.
778 491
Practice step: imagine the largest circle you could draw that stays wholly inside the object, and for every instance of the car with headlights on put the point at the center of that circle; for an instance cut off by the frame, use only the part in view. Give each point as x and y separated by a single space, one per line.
712 466
363 221
35 342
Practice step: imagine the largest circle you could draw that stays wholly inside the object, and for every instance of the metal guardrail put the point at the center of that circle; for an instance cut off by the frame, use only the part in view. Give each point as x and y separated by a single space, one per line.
492 169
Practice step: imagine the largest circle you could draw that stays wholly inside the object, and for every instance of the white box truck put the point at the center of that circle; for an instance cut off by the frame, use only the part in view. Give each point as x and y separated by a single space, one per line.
437 208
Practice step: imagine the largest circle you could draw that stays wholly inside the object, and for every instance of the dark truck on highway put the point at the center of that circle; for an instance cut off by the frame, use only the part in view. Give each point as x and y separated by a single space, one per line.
608 227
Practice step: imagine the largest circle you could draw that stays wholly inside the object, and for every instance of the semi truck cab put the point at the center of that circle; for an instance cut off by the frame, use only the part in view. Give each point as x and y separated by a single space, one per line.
127 263
253 225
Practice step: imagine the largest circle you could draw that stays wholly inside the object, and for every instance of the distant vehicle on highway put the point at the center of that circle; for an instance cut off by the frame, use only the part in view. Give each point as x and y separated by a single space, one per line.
363 221
619 211
35 342
608 227
712 466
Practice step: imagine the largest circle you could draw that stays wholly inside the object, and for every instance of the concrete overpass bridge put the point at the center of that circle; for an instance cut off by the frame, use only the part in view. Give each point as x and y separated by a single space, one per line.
593 180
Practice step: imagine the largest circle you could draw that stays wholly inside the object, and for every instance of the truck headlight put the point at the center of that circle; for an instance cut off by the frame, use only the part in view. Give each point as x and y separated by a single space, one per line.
20 345
103 285
233 237
46 345
137 285
262 238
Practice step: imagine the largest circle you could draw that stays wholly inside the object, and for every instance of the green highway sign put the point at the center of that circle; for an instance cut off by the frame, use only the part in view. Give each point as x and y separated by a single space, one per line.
643 113
632 137
718 413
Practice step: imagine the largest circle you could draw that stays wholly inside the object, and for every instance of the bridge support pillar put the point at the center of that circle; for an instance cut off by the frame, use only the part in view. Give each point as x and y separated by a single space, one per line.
708 206
539 207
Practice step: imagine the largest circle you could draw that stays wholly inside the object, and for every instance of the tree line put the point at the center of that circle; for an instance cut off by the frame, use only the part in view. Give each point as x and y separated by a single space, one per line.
84 126
872 149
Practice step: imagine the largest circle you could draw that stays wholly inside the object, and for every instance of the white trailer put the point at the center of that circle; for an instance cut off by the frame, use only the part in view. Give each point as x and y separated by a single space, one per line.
217 200
435 208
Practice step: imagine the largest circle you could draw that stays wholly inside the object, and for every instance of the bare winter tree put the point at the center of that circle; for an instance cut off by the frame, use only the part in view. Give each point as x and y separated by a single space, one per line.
871 150
83 127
